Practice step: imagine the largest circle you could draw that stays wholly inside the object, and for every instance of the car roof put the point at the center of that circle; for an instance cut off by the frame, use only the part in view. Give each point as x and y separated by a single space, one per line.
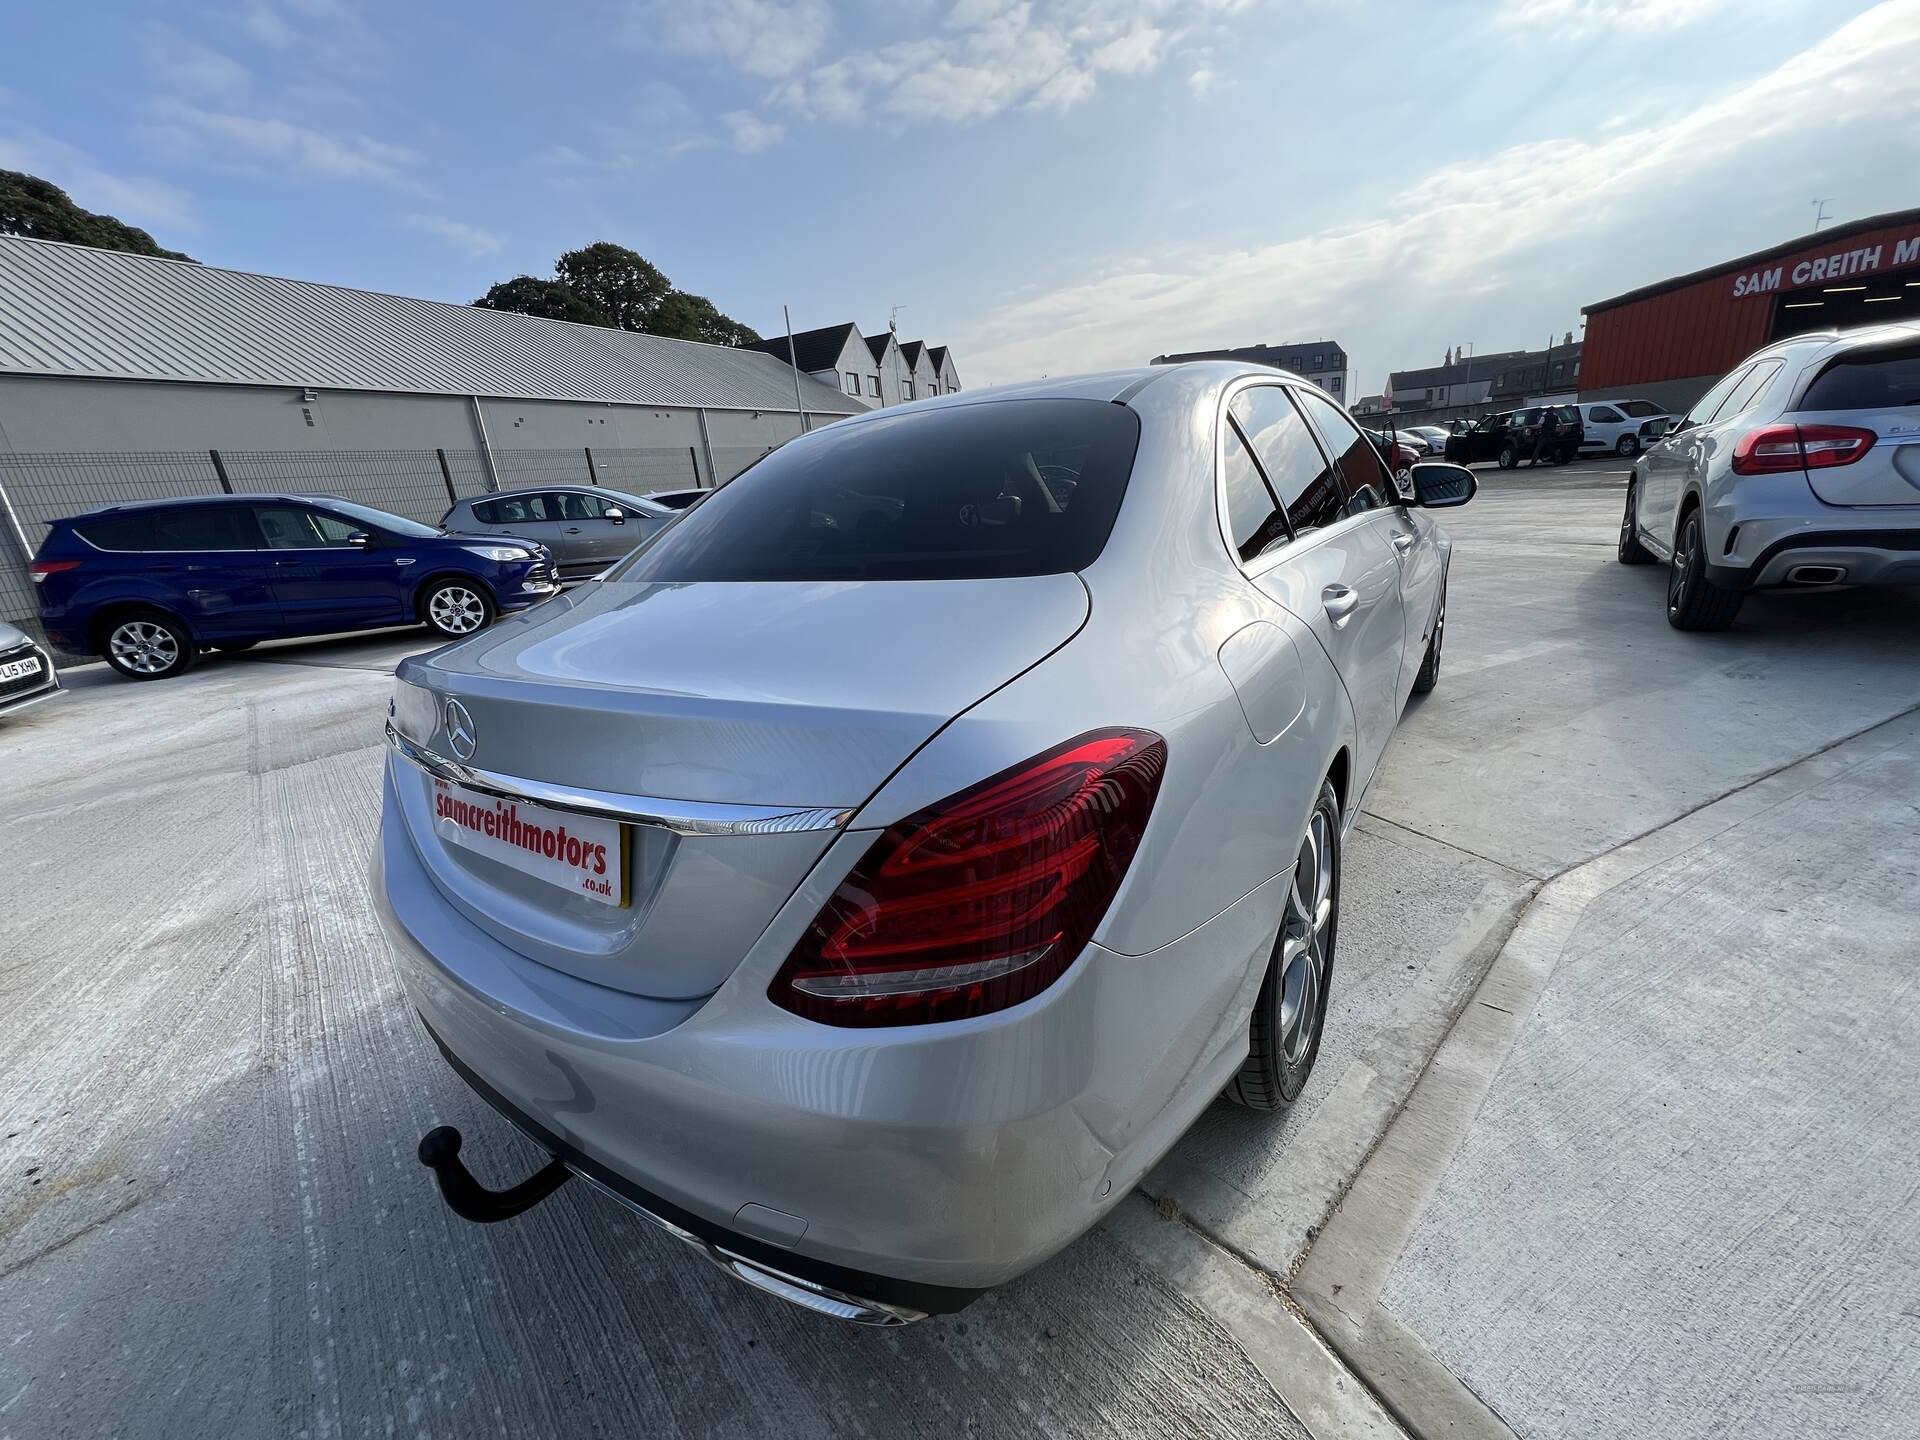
172 501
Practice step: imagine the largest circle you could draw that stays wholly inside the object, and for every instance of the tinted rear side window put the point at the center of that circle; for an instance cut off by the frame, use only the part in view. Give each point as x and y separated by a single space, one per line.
1868 380
1017 487
118 532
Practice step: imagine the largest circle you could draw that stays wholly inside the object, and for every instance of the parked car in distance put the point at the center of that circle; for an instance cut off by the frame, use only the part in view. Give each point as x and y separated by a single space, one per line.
151 584
27 674
950 794
1398 452
1433 436
1523 432
1619 426
1480 440
1799 469
585 528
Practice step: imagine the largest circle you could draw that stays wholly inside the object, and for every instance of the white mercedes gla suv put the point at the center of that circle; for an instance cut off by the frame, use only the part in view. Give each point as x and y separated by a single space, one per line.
875 873
1801 468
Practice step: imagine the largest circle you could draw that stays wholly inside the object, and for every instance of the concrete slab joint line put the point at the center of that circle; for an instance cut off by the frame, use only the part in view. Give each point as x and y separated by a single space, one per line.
1339 1284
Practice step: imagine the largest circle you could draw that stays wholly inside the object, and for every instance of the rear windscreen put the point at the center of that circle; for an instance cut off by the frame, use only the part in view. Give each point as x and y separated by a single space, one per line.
1868 380
1010 487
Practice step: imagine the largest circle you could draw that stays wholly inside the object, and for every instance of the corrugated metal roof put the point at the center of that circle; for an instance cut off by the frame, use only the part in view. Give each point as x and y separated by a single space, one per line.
70 310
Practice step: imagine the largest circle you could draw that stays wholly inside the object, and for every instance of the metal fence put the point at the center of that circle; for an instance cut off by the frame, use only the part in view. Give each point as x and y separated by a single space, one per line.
419 484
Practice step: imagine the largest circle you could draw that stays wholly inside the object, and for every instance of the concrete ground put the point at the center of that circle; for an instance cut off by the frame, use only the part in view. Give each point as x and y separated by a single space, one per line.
210 1215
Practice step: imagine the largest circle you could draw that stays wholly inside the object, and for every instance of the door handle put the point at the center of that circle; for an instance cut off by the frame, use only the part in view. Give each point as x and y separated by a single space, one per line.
1402 543
573 529
1341 601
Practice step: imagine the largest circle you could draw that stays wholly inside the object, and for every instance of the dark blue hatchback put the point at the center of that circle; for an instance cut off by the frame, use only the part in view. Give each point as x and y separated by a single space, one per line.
149 585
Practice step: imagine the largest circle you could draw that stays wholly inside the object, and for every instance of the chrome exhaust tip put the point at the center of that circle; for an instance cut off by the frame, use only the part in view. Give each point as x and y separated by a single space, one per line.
1816 575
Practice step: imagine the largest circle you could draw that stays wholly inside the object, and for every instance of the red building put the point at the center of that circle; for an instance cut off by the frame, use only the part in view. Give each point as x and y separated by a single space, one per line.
1671 341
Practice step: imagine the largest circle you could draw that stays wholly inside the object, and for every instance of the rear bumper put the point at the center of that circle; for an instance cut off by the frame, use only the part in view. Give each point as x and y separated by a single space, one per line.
912 1166
831 1289
1887 554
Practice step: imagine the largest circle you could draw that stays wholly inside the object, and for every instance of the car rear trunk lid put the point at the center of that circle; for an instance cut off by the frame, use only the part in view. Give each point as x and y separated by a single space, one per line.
1874 388
748 719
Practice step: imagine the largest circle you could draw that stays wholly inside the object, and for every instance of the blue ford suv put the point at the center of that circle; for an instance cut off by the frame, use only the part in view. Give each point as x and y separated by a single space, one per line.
149 585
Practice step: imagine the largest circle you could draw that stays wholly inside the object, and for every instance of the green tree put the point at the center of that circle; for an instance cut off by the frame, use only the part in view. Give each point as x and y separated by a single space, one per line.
627 288
608 284
682 316
550 299
41 210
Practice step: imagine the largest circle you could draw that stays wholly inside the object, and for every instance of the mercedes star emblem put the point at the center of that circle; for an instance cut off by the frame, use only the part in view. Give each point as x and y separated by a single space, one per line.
461 734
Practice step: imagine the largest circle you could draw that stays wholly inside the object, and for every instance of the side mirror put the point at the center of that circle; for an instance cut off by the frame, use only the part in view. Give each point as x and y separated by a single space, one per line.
615 514
1438 485
360 540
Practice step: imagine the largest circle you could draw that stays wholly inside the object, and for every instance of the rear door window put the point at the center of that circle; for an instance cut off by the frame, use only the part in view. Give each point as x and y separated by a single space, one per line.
1704 408
1306 485
1883 379
1640 409
1748 390
520 510
204 527
1606 415
995 488
1362 475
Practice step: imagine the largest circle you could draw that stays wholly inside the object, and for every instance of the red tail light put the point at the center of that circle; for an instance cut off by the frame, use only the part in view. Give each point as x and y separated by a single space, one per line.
40 569
983 900
1774 448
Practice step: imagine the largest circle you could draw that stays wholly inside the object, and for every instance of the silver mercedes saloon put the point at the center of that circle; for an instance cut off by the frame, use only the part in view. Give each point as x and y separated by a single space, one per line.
871 878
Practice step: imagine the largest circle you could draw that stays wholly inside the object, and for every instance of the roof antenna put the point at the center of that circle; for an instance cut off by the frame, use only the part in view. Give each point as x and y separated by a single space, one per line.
1820 216
893 318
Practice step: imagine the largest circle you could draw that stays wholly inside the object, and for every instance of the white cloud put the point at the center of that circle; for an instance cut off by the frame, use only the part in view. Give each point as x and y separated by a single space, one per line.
1584 19
751 134
991 56
151 204
767 38
193 68
1542 226
306 152
470 238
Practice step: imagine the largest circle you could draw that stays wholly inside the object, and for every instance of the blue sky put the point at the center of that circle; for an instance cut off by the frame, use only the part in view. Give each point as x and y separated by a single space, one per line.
1047 186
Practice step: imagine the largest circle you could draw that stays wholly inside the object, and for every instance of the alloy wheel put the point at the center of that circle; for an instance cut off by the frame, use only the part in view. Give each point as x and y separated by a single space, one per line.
456 610
1628 447
144 647
1627 520
1680 577
1304 934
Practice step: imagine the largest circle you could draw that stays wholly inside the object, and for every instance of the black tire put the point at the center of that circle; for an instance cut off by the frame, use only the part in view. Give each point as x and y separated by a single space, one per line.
1509 457
456 607
1627 446
1282 1044
233 647
1632 552
147 645
1693 601
1429 675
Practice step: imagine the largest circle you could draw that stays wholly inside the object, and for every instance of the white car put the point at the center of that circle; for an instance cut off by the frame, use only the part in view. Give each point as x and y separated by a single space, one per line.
1620 426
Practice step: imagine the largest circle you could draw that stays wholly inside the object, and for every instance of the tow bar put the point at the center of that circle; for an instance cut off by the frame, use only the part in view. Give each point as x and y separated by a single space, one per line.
467 1197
